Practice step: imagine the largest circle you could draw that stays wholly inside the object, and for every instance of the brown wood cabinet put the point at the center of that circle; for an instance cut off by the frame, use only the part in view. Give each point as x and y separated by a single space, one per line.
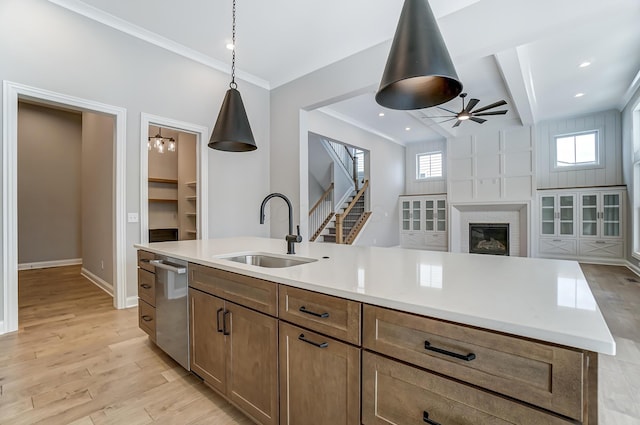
395 393
235 350
319 379
147 294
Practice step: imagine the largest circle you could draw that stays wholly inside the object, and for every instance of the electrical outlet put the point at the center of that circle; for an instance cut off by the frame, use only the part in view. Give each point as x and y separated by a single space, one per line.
132 217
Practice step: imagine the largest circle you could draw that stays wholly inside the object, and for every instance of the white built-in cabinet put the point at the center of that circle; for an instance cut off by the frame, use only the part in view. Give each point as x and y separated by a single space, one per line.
423 222
584 224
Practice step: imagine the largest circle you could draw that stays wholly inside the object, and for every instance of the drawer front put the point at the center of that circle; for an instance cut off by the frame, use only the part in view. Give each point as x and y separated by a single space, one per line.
395 393
329 315
147 319
412 239
256 294
544 375
143 260
147 286
556 246
601 248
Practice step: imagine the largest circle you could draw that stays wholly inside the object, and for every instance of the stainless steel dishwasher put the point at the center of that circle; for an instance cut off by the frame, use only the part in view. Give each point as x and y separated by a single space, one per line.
172 317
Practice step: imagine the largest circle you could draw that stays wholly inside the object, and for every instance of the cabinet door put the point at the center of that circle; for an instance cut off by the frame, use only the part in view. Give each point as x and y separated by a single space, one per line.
589 214
441 215
566 215
548 215
405 215
416 215
319 379
207 338
252 372
429 215
611 206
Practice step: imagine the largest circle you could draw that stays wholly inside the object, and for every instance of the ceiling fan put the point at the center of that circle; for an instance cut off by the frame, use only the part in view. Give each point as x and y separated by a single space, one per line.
467 112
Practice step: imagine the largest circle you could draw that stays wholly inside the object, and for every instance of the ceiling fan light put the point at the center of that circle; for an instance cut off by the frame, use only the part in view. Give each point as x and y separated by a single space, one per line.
232 132
419 71
463 116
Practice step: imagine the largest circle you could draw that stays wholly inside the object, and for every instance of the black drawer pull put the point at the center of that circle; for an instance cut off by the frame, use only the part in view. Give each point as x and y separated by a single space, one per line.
303 309
146 286
315 344
425 417
220 310
225 331
467 357
147 318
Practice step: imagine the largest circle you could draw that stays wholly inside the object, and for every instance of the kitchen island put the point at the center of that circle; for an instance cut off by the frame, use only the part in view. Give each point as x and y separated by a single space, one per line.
507 338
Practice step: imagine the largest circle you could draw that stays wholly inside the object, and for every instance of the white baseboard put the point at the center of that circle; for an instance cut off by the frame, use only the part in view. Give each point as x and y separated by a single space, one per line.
2 328
47 264
132 301
633 268
105 286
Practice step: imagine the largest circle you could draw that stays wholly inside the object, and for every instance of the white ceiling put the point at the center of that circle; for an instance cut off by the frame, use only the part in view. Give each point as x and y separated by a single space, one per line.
526 52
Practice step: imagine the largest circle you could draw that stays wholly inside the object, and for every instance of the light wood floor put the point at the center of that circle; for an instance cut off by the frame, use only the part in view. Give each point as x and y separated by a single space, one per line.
76 360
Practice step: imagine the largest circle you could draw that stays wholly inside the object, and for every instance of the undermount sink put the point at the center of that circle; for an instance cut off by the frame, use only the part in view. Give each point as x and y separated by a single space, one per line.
268 260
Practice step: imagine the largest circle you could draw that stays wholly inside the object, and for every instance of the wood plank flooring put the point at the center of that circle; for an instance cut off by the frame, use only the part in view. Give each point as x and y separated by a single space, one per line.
76 360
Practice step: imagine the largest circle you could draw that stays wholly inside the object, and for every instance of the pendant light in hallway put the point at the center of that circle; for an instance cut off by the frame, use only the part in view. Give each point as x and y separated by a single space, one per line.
232 132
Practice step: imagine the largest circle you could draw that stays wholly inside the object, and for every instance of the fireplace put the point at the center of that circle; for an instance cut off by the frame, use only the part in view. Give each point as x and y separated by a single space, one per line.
489 238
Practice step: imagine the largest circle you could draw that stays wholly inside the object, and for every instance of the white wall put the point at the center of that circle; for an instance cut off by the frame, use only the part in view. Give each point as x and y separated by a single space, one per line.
46 46
630 154
414 186
49 147
320 168
608 122
386 176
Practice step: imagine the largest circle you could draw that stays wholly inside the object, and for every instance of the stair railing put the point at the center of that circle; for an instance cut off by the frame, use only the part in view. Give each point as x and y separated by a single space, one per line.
347 159
341 237
321 213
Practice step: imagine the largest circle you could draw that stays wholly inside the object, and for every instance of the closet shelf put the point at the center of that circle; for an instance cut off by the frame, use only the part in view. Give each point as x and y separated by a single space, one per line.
191 198
162 200
156 180
191 184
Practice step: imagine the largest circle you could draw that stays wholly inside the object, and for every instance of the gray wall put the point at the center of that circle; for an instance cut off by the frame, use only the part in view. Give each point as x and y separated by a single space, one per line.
425 186
98 217
320 172
386 176
631 153
49 146
46 46
610 174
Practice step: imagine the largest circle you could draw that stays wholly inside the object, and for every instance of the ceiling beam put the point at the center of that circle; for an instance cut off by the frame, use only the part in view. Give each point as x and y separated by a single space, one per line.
444 130
515 69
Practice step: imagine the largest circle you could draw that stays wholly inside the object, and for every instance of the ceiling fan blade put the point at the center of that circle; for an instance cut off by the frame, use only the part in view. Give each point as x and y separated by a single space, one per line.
457 123
478 120
448 110
493 105
475 114
471 104
441 116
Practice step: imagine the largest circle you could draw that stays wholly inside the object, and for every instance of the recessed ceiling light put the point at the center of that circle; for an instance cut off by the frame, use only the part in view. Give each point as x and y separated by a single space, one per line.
585 64
407 128
381 114
230 46
579 95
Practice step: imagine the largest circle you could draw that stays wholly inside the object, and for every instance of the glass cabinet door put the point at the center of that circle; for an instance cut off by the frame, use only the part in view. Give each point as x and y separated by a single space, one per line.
547 215
610 215
406 215
441 215
589 215
416 216
429 215
567 214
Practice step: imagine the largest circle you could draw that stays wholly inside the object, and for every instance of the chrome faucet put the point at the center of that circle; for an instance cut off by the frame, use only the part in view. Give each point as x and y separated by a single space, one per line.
291 238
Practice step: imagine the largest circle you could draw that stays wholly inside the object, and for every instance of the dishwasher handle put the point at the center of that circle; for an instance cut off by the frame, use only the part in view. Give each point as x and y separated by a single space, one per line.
168 266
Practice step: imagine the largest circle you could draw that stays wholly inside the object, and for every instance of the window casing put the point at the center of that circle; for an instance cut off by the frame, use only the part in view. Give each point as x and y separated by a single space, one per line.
429 165
577 150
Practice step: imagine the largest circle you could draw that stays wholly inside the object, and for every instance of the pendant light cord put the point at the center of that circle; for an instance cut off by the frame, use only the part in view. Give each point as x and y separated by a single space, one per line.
233 84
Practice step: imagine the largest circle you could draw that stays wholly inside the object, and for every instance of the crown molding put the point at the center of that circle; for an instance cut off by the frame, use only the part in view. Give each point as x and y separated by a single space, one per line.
151 37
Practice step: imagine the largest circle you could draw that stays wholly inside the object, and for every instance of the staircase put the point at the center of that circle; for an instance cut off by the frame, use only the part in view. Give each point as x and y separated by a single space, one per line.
352 222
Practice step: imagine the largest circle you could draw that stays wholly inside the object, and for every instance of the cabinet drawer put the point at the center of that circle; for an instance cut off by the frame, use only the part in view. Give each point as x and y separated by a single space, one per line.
319 379
143 260
147 319
248 291
394 393
329 315
412 239
544 375
558 246
601 248
147 286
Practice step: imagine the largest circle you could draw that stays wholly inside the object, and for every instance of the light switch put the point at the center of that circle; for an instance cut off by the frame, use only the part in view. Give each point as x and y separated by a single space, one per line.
132 217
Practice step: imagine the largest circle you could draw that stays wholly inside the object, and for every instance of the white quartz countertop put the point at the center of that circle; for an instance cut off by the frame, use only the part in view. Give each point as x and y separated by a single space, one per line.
548 300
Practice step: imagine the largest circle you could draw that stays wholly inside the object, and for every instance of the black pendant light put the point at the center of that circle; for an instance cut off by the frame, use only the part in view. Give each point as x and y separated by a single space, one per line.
232 132
419 72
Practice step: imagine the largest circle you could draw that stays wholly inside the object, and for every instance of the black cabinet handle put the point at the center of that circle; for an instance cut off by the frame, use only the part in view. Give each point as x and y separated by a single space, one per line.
147 318
303 309
425 417
146 286
220 310
465 357
225 331
315 344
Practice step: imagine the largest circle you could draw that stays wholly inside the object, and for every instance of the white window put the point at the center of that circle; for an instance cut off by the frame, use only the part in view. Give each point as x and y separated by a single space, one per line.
428 165
577 150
